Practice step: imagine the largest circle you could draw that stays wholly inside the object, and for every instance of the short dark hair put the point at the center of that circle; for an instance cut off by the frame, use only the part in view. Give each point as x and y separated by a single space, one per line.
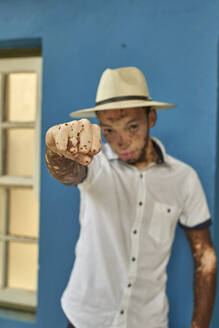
147 110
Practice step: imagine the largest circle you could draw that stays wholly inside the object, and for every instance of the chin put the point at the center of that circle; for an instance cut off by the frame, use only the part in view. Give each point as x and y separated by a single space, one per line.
131 161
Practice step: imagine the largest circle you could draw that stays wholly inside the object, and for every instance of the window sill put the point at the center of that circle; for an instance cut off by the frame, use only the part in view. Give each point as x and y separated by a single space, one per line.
10 314
18 299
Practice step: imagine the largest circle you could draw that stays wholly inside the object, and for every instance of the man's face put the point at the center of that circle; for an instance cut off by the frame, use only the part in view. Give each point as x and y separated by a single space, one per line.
127 132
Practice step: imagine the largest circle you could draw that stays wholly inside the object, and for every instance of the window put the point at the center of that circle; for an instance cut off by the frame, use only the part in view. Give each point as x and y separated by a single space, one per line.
20 89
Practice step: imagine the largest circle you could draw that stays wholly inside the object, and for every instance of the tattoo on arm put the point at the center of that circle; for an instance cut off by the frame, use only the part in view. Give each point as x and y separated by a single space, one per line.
204 276
63 169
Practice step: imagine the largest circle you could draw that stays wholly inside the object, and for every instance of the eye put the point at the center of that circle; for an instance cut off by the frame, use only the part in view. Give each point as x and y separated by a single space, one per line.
107 131
133 127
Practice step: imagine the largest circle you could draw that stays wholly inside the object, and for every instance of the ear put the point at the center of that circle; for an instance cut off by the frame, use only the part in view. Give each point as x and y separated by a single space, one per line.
152 118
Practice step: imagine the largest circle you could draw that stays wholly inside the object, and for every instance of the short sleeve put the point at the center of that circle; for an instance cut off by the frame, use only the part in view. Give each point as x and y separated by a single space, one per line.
195 214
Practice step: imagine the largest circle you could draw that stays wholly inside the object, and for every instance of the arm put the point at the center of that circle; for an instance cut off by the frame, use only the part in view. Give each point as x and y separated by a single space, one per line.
64 169
205 266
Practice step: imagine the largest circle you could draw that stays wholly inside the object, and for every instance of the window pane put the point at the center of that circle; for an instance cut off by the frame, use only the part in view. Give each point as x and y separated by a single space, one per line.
22 265
23 212
1 194
20 152
0 263
21 95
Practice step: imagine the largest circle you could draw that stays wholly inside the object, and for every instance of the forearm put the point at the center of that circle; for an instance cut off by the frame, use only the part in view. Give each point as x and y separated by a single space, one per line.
204 291
63 169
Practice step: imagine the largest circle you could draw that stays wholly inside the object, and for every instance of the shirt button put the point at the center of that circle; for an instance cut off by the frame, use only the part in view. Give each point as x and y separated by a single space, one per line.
140 203
135 231
133 259
169 210
122 311
129 285
141 175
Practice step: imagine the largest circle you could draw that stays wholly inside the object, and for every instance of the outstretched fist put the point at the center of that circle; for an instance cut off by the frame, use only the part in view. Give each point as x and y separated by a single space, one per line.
76 140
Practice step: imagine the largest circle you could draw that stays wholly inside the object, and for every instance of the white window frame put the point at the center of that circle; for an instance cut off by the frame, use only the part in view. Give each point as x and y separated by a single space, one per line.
13 297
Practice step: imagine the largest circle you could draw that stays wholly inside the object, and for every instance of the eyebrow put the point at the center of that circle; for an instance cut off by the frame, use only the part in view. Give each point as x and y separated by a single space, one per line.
111 126
105 125
133 120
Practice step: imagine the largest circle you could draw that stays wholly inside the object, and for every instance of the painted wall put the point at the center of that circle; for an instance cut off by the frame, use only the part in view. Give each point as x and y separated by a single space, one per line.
175 44
216 205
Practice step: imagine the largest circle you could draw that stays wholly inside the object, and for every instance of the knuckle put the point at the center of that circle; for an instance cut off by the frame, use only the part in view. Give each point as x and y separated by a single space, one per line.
51 133
73 124
84 160
72 131
96 127
63 127
95 148
48 137
60 129
84 121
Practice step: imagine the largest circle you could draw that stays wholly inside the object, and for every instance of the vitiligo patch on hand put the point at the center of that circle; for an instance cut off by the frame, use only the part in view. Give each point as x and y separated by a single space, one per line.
76 140
61 138
73 135
85 136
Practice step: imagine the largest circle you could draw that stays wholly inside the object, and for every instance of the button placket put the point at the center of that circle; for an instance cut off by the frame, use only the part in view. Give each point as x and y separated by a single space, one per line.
134 235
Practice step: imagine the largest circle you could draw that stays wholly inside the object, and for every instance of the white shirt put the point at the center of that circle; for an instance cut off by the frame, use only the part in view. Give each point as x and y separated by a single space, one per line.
128 219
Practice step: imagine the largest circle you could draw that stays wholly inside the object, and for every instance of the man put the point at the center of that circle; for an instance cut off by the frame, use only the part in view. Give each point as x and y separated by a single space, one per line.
133 194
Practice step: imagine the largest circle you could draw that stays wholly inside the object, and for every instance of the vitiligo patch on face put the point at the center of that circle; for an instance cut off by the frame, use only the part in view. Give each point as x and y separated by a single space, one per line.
115 115
127 132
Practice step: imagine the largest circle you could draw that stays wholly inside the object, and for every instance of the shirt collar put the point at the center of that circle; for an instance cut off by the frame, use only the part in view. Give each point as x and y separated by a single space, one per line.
109 152
163 157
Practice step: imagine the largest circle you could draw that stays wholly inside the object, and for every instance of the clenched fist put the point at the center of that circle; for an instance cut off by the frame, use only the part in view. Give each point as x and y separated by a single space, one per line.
76 140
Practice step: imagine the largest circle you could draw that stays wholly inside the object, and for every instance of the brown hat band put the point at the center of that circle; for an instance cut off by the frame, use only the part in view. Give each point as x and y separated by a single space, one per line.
109 100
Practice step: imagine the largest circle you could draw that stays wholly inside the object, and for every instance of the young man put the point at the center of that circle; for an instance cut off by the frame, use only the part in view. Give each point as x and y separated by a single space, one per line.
133 194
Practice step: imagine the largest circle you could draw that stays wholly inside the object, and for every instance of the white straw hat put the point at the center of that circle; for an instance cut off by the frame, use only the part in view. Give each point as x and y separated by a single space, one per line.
124 87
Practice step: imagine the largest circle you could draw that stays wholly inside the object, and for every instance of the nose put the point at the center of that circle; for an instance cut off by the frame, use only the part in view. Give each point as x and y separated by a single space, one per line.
123 142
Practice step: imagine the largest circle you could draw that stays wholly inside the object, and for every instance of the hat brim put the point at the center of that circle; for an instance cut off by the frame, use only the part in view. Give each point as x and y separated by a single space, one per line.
90 112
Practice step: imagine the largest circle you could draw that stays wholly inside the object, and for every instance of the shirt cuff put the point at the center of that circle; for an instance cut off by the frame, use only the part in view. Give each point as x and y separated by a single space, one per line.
200 226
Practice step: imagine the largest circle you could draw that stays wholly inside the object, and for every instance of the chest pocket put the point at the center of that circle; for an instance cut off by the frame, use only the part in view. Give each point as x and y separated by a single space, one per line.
163 222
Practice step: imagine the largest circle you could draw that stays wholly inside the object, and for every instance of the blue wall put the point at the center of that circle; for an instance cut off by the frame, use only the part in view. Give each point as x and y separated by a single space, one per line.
175 44
216 226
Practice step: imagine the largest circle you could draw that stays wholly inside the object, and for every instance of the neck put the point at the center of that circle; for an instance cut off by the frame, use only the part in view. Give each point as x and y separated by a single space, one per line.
149 155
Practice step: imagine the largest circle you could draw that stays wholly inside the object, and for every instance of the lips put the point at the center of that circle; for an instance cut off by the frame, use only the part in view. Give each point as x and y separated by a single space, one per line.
126 155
